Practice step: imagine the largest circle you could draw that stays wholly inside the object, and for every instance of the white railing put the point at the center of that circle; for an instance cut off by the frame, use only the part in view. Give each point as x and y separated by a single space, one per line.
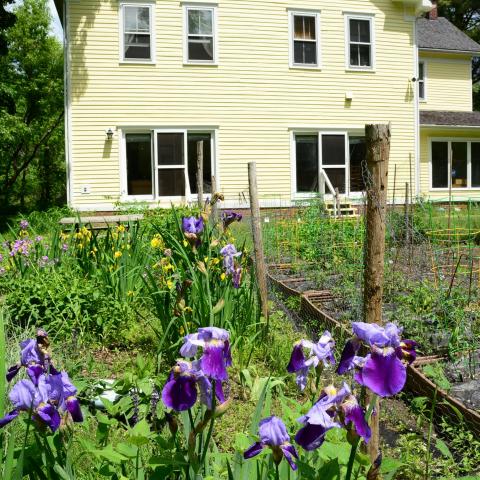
332 191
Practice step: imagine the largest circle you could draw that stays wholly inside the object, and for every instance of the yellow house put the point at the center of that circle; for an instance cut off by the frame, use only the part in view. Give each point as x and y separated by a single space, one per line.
289 84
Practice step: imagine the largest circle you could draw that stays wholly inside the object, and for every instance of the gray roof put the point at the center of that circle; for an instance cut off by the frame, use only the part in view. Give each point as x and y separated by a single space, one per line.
466 119
440 34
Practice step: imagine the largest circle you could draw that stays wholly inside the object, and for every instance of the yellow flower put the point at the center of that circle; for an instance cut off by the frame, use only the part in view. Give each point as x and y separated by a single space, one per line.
121 228
205 259
64 236
215 261
185 243
130 293
155 243
223 276
118 254
168 267
170 284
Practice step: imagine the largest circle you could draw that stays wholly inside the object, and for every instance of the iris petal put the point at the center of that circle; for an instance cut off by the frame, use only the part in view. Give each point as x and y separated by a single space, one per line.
253 450
272 431
73 406
383 374
34 372
289 452
348 355
311 437
8 418
213 362
354 413
12 372
297 360
180 394
50 416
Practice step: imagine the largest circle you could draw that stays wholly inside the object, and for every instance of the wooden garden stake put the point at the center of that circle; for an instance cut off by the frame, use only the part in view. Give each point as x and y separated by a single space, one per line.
378 153
407 214
260 267
200 173
214 213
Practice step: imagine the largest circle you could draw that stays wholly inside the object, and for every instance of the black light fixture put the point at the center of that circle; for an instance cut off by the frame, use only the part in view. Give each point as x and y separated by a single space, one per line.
109 133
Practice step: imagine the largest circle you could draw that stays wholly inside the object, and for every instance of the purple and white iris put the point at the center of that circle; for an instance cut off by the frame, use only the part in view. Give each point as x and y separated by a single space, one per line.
51 398
34 357
24 224
216 353
334 409
230 254
322 351
185 382
202 375
229 217
383 370
273 434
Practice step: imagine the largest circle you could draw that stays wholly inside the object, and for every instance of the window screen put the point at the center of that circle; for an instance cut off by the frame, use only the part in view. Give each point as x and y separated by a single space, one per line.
475 164
193 139
200 33
440 164
360 43
459 165
306 147
136 32
139 164
304 40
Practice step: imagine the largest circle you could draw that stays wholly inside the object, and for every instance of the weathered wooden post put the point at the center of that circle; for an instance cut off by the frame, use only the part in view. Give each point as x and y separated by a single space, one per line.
338 212
407 214
214 206
260 267
378 152
200 173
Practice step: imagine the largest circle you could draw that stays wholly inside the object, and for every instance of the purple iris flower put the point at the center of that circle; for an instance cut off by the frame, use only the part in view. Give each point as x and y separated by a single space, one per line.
237 277
33 356
229 253
383 370
192 225
24 224
229 217
319 352
25 397
216 353
273 434
180 393
334 409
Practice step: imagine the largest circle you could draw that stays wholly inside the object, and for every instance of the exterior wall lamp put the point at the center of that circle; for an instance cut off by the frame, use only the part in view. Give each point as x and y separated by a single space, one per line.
109 133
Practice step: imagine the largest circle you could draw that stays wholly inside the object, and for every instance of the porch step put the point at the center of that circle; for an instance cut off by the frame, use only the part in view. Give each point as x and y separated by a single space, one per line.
346 210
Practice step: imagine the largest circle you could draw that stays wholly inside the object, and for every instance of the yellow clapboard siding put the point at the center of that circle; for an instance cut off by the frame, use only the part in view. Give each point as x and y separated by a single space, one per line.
448 82
252 96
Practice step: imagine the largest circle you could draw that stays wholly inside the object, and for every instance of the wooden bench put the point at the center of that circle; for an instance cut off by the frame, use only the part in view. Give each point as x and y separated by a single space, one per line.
99 222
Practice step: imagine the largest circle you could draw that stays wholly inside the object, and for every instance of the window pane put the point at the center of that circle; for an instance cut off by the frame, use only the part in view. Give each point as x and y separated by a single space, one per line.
200 48
139 164
304 27
137 19
421 71
200 22
475 164
360 31
337 178
171 182
305 53
333 150
459 165
307 163
170 148
440 164
193 139
137 46
421 90
358 153
364 54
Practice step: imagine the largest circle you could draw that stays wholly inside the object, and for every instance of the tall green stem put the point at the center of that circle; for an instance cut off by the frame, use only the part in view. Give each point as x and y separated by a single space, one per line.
210 428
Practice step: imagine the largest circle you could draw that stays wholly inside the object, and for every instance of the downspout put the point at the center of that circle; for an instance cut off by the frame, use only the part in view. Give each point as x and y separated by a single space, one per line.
417 111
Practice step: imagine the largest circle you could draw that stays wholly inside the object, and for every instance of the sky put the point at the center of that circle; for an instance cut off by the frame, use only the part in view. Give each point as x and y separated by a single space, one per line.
56 25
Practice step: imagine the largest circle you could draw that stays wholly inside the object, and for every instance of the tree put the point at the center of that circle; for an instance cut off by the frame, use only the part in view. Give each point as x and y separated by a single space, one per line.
465 14
31 128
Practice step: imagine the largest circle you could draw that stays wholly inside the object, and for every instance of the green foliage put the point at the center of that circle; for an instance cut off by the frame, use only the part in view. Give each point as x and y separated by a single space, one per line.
31 124
436 373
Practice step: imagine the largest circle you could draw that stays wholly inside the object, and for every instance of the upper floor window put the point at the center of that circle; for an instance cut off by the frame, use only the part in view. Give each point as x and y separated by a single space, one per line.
360 42
137 32
200 41
422 92
305 34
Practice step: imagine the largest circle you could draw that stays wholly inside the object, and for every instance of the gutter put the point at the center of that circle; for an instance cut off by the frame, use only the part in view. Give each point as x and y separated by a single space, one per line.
444 50
456 127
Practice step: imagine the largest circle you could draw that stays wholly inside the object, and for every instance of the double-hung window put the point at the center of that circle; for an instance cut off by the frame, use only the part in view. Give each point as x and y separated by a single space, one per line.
200 34
360 44
455 164
305 43
137 37
163 163
422 91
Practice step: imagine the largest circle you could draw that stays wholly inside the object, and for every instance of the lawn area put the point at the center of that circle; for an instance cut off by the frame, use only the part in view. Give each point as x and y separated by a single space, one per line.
140 352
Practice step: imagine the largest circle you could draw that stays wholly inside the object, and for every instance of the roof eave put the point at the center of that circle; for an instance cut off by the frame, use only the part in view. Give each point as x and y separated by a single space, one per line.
453 127
59 7
444 50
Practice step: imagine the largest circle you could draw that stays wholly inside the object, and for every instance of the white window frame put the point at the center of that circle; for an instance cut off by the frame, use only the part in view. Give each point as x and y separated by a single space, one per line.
370 17
451 140
151 7
200 6
155 167
293 153
422 80
291 34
